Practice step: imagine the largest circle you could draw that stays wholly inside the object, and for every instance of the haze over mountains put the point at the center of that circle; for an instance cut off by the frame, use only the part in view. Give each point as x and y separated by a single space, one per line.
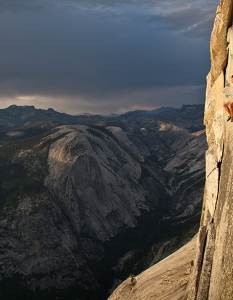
86 200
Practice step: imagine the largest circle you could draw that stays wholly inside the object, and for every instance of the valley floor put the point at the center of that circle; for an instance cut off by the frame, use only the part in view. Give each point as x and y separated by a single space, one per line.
167 280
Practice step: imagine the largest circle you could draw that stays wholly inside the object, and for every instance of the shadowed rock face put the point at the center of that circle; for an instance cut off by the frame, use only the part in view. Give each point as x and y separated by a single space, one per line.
79 201
96 181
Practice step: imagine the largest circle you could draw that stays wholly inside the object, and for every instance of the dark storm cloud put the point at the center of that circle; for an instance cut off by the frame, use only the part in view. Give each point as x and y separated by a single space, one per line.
104 55
108 58
191 18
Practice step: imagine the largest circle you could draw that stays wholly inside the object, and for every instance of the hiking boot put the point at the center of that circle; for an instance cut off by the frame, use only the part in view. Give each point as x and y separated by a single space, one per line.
229 118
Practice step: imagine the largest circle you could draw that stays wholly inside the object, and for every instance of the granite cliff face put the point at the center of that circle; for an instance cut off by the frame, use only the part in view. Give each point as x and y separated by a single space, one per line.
76 201
213 264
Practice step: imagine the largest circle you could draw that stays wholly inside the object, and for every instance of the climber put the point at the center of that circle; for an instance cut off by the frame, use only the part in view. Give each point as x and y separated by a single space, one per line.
228 100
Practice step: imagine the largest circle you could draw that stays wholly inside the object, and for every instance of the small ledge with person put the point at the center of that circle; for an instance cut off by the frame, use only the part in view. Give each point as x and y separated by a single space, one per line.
228 100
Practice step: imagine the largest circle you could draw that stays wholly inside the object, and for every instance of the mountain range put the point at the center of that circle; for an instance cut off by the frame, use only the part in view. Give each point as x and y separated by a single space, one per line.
88 199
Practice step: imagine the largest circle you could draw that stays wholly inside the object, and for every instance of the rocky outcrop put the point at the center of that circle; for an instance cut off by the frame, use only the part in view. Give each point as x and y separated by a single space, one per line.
218 41
86 170
167 279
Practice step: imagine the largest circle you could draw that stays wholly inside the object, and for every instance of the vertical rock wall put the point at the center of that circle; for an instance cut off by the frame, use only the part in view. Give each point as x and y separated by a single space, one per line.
213 275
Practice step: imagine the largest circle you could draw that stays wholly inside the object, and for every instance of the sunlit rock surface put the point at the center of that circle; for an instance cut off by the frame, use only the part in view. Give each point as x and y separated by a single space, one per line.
212 278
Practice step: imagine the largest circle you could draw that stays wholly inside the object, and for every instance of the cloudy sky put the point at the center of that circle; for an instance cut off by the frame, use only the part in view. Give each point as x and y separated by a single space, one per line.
104 56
